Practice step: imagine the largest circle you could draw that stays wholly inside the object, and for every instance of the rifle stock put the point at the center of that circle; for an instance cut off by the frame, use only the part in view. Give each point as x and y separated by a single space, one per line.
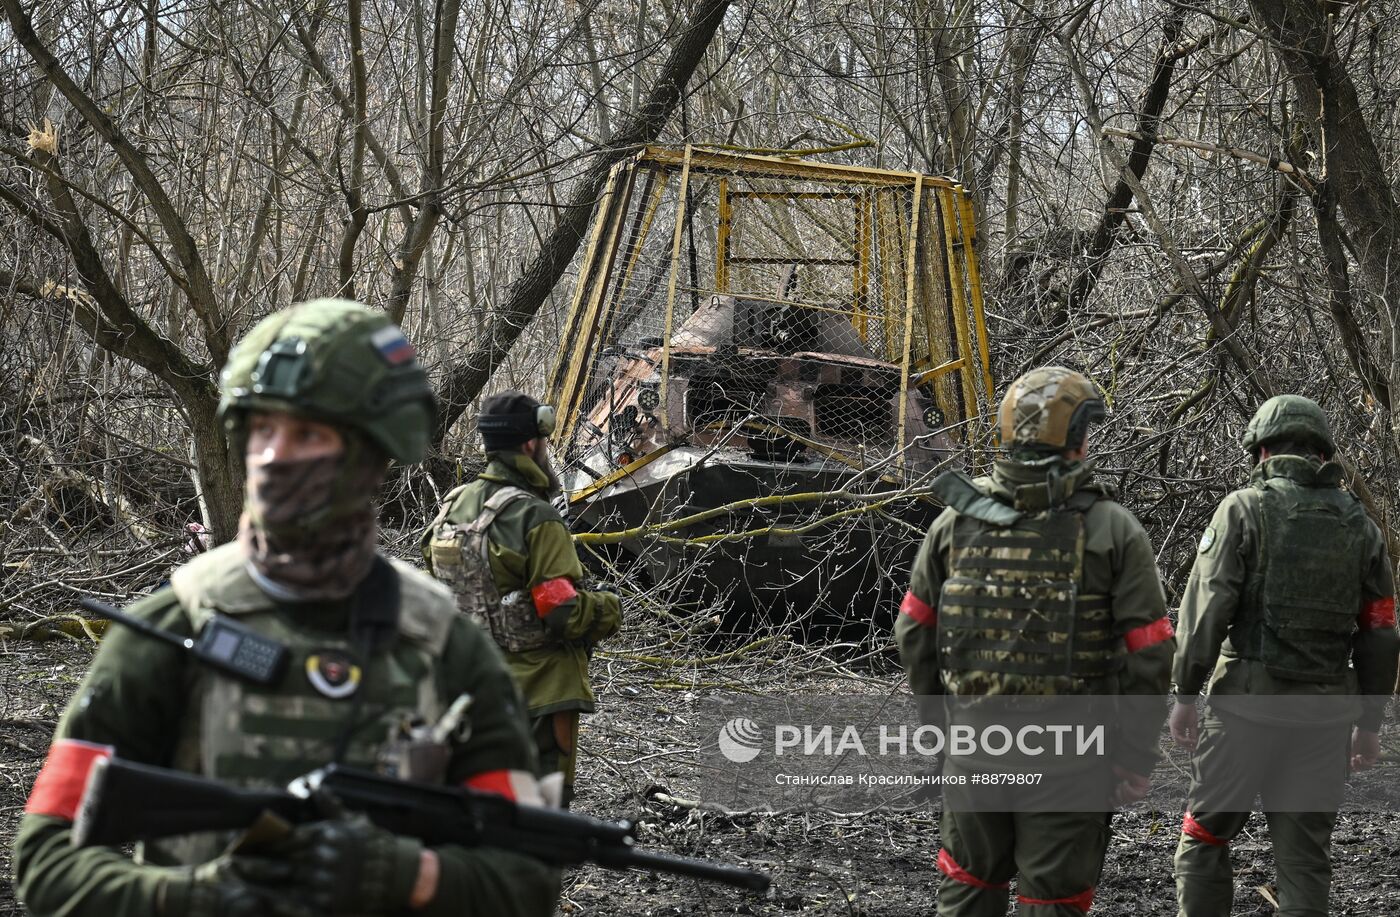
125 801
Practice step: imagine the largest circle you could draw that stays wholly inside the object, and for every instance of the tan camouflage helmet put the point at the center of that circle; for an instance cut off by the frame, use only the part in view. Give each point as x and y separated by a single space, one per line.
1049 409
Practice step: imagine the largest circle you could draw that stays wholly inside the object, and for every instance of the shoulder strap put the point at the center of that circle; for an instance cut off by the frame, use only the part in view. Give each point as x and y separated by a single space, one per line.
217 580
448 501
374 617
959 491
494 506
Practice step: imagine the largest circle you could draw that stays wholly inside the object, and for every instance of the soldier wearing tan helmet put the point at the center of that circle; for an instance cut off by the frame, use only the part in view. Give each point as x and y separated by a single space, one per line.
1035 581
1289 618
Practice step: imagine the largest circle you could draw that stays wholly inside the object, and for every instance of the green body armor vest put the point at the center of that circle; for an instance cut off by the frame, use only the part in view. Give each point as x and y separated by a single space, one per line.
1011 617
257 736
460 556
1301 602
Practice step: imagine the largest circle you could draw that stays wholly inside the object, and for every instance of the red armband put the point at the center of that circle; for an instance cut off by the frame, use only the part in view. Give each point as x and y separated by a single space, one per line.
552 593
60 784
517 786
1140 638
923 613
950 868
1195 830
1377 613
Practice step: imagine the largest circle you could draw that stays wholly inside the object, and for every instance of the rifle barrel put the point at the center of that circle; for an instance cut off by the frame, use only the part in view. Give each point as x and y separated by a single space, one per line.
126 801
631 857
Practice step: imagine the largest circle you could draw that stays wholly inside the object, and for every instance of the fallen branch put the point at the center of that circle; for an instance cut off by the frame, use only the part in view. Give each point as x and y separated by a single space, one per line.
663 661
869 502
1304 181
55 626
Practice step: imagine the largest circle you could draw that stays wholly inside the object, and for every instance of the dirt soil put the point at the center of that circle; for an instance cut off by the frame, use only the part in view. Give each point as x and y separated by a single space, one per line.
643 760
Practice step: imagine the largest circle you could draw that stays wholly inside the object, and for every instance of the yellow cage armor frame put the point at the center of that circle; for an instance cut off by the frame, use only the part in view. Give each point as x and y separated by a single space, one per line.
765 363
777 306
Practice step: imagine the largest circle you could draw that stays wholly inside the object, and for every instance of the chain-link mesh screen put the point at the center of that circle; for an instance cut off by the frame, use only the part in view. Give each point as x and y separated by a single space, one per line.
746 328
771 308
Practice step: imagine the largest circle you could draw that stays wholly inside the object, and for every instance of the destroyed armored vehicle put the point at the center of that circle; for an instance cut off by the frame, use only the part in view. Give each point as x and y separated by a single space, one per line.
765 364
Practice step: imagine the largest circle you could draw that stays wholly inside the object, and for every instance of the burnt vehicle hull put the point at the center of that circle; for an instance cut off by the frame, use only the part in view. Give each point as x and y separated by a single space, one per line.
766 561
752 410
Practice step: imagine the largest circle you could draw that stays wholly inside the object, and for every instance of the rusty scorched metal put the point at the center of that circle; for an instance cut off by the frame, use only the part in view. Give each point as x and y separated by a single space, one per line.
764 364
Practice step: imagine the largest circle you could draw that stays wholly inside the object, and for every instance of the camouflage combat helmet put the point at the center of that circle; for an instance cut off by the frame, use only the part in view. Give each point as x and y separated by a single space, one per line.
338 362
1049 409
1289 418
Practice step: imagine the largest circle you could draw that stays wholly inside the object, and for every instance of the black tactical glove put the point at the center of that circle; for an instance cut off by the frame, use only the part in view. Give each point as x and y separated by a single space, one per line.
345 864
231 886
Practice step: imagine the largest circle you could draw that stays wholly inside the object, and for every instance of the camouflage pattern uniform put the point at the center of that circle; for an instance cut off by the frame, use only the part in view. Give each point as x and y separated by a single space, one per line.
153 703
995 553
1291 583
156 706
535 572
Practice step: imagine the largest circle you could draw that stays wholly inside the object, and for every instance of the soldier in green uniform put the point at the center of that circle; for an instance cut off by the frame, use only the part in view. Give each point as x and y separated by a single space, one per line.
503 548
1040 555
1291 595
317 399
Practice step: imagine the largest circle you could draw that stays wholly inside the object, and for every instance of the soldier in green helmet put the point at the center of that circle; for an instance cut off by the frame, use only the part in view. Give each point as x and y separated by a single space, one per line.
1291 596
1035 581
503 548
317 399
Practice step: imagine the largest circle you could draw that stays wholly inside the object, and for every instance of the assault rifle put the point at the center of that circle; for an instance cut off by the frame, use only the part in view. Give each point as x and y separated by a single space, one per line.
125 801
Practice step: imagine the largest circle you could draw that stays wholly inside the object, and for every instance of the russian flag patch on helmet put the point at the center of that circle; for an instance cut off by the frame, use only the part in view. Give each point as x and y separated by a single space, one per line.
393 347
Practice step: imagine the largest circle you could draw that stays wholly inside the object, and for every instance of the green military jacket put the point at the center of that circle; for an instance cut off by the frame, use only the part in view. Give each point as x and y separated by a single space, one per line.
151 702
1215 596
529 545
1118 563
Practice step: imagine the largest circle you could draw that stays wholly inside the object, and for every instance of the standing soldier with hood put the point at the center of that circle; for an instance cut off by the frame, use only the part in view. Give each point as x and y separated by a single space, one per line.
1035 581
1291 594
503 548
316 400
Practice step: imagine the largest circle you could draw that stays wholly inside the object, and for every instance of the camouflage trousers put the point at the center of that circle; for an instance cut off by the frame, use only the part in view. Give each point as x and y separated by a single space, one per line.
1056 858
1235 760
556 741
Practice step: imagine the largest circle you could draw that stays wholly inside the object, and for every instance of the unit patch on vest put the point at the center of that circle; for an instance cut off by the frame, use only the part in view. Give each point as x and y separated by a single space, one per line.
1207 538
333 673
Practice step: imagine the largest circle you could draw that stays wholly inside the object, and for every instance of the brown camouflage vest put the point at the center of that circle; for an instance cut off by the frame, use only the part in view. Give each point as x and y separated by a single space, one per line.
265 736
1301 602
460 556
1011 616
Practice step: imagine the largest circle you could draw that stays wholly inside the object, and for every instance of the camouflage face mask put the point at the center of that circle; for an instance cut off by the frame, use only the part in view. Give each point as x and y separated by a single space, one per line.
309 526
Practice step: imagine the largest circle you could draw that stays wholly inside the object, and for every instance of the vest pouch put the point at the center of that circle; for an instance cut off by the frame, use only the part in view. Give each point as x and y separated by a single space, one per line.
1006 639
461 572
461 555
1299 653
1311 590
1010 617
517 627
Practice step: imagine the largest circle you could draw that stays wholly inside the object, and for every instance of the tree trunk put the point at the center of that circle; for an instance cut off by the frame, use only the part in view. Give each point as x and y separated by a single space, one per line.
1353 169
1115 209
525 297
220 478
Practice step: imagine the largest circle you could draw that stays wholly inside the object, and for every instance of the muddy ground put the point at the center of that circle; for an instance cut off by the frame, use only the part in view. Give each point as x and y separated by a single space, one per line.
644 758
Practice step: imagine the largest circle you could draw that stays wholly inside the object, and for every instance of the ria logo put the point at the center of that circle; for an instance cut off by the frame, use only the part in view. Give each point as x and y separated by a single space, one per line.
740 739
